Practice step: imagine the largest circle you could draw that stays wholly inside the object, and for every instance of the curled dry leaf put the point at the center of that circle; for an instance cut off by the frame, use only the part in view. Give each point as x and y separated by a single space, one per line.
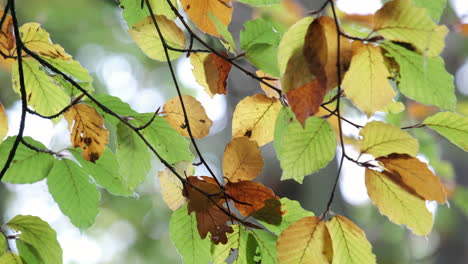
199 10
255 117
414 176
242 160
4 123
88 131
211 72
200 123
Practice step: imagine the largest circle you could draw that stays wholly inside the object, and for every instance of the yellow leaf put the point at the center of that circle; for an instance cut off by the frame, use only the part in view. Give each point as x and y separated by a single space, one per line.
172 187
242 160
350 244
144 33
88 131
305 241
380 139
211 72
7 41
255 117
273 81
366 82
415 176
400 206
199 122
198 11
37 39
401 20
3 123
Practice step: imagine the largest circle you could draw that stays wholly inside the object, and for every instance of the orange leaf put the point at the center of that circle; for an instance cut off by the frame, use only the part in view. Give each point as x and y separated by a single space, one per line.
253 193
7 41
88 131
364 20
461 29
197 191
305 101
270 80
242 160
4 123
414 176
320 51
211 72
198 11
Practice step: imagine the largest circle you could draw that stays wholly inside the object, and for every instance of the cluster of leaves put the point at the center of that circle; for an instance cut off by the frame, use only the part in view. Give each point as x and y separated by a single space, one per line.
299 67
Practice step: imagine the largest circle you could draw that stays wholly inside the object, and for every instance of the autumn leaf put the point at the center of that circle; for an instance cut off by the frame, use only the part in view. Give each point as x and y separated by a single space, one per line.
399 205
199 191
7 41
305 101
172 187
254 117
200 123
225 36
320 51
3 123
211 72
380 139
452 126
147 37
366 82
199 10
401 20
270 80
88 131
213 220
237 242
350 244
415 176
242 160
37 39
305 241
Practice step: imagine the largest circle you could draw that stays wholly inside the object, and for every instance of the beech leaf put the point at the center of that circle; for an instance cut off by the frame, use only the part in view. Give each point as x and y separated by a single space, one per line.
305 101
199 10
3 123
211 72
35 38
172 187
452 126
242 160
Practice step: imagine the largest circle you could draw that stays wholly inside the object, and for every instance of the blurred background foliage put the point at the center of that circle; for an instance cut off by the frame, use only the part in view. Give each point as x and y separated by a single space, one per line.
136 230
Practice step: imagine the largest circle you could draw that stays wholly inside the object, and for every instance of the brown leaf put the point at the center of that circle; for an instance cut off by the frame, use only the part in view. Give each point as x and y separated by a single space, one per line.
270 213
320 51
214 220
364 20
242 160
88 131
216 73
253 193
414 176
198 200
297 73
305 101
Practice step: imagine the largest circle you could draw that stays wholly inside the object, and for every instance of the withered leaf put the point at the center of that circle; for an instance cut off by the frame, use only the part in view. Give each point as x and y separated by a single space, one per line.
305 101
214 220
198 200
254 194
211 72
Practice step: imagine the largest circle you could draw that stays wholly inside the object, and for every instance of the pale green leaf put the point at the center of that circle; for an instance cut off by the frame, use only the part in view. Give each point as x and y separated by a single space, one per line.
423 79
258 31
260 55
285 117
380 139
460 199
226 37
39 235
42 92
266 242
133 13
260 2
10 258
28 253
184 234
116 104
452 126
28 166
73 191
350 244
236 241
306 150
434 7
3 244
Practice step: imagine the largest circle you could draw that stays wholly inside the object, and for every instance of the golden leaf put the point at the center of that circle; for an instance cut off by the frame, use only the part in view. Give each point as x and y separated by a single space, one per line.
4 123
198 11
211 72
269 79
37 39
172 187
242 160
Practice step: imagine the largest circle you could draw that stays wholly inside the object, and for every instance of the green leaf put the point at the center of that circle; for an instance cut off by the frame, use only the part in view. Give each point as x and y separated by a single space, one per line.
116 104
168 142
39 235
423 79
28 166
306 150
28 253
10 258
380 139
452 126
258 31
434 7
133 13
267 244
460 199
133 156
42 92
292 212
260 56
105 171
3 244
184 234
260 2
73 191
285 117
236 241
226 37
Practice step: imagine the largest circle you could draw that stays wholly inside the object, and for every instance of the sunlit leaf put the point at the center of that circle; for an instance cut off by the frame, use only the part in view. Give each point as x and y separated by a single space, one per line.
116 104
423 79
172 187
401 20
198 11
242 160
258 31
214 221
225 35
400 206
184 234
435 7
366 82
28 253
380 139
35 38
87 131
237 241
133 13
266 242
415 176
144 33
260 55
254 194
10 258
285 117
3 123
39 235
305 241
200 123
73 191
211 72
254 117
201 193
452 126
305 101
3 244
274 82
306 150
